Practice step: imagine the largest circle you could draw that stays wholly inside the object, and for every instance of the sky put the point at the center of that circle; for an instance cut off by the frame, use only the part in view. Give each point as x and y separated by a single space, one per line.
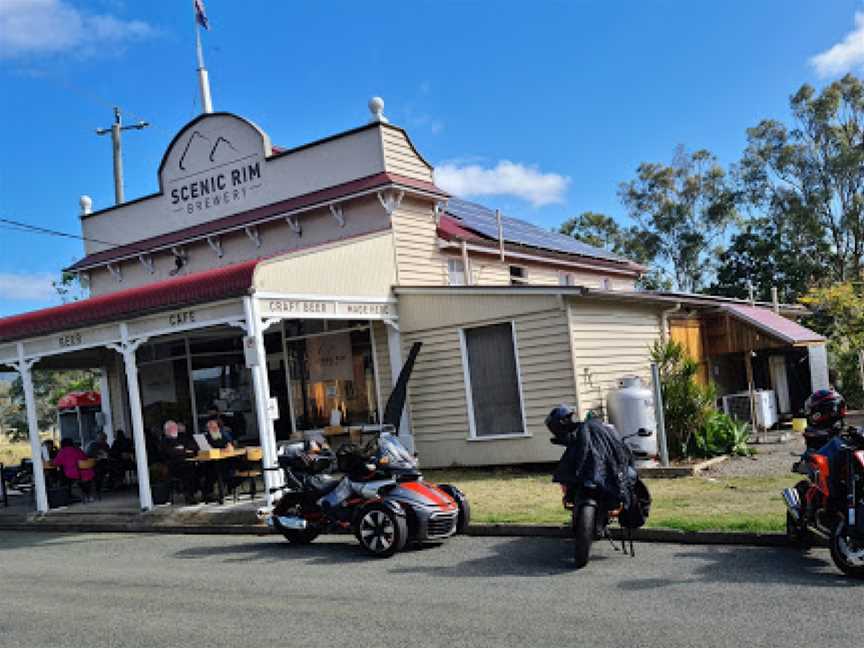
541 109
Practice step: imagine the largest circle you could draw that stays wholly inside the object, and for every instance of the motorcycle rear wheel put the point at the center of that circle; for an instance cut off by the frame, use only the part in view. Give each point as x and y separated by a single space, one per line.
583 533
840 552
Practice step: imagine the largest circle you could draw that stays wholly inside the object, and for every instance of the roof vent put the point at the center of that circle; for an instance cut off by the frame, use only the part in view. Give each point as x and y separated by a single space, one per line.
86 203
376 107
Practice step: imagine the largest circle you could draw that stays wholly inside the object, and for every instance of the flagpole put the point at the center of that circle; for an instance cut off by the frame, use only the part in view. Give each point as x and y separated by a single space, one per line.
203 78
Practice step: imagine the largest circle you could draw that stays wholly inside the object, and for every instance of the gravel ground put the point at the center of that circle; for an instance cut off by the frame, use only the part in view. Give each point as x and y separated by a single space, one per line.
771 459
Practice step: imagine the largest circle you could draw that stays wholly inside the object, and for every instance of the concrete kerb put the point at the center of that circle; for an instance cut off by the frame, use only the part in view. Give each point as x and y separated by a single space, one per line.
139 525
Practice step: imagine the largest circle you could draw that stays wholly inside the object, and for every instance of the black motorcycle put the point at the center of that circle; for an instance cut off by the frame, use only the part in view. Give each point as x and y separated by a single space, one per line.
598 478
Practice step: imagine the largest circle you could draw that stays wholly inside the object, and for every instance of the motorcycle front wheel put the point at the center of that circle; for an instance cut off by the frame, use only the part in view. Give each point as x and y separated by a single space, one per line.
847 553
583 533
382 532
300 536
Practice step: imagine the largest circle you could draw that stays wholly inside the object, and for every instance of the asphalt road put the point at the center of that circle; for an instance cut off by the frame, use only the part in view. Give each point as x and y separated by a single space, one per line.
154 590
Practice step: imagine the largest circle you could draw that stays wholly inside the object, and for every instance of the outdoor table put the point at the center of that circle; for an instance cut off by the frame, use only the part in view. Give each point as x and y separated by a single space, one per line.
211 457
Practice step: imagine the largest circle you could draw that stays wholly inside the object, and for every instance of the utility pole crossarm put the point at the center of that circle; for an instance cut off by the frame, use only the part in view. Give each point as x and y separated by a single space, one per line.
116 128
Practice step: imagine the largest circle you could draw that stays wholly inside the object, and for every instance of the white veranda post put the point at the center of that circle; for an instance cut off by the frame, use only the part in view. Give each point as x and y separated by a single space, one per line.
127 349
24 367
394 345
261 384
105 394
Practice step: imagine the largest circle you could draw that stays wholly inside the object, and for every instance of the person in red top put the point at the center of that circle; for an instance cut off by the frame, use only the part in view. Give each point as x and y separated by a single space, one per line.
67 461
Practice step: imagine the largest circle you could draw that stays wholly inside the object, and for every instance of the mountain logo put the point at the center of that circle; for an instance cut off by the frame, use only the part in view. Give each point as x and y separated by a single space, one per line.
223 142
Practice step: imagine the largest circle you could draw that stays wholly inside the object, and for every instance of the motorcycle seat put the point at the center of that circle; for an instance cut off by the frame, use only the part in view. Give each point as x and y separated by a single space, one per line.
322 484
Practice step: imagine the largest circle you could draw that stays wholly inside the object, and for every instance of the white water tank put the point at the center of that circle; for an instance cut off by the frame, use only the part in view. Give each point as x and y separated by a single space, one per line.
631 408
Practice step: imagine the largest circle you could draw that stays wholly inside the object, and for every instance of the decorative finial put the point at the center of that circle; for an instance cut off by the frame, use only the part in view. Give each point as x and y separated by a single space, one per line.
86 203
376 107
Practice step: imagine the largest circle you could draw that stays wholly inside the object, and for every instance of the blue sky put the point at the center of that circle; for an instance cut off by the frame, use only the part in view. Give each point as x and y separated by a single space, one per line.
550 105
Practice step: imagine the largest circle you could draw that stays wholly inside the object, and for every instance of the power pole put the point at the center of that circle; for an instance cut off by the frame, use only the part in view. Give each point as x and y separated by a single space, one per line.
115 130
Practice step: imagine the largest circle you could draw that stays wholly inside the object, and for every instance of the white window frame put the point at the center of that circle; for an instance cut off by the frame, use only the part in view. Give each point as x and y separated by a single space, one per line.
469 397
451 271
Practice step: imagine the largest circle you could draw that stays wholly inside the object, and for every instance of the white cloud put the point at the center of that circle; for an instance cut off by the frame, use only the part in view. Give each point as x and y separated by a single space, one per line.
33 287
40 27
846 55
504 179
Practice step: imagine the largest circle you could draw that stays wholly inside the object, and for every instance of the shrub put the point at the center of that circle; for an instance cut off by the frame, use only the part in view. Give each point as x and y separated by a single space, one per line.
720 434
687 405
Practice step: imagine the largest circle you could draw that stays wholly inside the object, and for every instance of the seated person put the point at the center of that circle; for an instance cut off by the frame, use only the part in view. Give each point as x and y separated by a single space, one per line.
49 450
67 461
122 446
174 449
217 436
98 448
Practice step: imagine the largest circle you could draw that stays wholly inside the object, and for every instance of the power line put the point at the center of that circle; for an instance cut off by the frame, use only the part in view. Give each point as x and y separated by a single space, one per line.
26 227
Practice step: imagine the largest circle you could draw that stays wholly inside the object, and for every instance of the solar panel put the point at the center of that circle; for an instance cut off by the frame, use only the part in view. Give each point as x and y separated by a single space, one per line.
482 220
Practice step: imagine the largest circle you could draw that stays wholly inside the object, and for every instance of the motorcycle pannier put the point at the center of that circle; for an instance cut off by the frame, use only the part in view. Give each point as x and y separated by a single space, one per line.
635 515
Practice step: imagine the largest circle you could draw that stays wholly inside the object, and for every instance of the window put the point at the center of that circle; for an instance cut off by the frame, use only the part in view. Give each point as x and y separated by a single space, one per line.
492 384
456 272
606 283
565 279
517 276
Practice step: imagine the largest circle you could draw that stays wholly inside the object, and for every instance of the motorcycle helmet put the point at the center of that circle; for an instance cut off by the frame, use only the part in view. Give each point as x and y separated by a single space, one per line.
825 409
560 422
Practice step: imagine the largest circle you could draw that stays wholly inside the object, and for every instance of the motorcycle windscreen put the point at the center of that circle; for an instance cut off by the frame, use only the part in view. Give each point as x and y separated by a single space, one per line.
397 456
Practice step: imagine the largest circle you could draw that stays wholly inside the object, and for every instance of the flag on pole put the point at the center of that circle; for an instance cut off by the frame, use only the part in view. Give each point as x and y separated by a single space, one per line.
201 14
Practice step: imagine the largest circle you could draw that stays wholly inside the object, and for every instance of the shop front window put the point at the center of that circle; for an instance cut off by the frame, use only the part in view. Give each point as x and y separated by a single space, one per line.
190 379
333 378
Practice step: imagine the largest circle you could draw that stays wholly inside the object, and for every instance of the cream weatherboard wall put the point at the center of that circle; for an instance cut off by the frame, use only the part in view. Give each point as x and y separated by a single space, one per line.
419 262
610 340
438 402
400 157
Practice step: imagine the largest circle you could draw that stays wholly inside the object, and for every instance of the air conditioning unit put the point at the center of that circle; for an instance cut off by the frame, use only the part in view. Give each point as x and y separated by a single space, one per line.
738 407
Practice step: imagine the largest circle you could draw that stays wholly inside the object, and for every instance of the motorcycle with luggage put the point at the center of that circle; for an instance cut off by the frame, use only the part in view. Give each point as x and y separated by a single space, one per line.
599 481
380 497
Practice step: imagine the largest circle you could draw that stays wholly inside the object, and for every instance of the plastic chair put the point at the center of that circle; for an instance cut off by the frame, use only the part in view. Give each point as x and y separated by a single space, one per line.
87 464
250 471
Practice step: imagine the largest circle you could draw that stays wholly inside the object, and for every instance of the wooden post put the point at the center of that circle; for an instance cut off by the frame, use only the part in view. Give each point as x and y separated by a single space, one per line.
748 364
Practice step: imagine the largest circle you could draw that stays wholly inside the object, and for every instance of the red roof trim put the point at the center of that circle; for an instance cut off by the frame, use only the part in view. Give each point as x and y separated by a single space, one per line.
252 216
449 228
210 285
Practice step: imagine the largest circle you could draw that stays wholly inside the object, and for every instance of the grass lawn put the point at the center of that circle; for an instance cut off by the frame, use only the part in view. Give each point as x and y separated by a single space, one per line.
514 495
12 453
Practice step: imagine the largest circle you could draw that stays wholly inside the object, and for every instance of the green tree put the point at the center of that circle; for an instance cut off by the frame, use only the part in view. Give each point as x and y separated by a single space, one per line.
761 254
604 232
685 207
810 178
69 287
48 388
838 314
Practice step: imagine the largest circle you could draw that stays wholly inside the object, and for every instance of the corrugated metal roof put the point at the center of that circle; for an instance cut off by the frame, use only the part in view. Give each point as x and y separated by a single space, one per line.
482 220
210 285
775 325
